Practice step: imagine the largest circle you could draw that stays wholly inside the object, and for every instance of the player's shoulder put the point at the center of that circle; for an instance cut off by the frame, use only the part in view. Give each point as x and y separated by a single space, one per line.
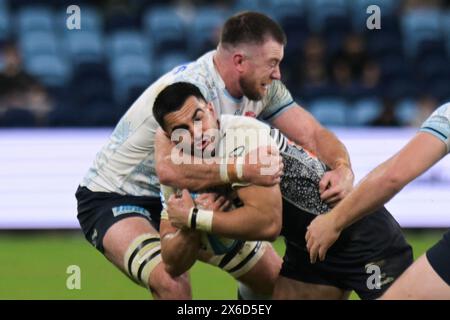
441 116
444 111
198 71
438 124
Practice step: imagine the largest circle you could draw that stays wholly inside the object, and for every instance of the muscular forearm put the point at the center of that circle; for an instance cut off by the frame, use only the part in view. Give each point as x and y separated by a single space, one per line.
330 149
248 223
179 251
370 194
193 177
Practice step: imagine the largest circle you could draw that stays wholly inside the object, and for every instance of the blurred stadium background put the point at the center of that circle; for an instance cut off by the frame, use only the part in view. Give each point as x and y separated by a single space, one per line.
62 91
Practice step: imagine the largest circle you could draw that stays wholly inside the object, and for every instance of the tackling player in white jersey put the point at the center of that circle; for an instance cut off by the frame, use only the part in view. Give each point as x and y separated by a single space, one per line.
118 199
429 276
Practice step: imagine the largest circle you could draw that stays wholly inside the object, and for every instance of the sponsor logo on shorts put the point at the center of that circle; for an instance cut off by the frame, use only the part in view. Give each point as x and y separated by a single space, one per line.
117 211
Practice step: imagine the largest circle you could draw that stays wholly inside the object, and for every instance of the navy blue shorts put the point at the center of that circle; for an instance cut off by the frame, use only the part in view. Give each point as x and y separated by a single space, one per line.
439 257
373 243
98 211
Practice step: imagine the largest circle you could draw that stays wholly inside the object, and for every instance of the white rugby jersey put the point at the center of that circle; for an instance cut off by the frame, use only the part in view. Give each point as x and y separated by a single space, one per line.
125 164
238 136
438 124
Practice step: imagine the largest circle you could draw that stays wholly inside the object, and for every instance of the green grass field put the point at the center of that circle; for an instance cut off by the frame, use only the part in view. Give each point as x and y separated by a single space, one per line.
33 266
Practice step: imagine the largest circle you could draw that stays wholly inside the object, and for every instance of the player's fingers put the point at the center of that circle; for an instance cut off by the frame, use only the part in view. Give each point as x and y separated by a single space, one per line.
313 253
324 182
219 202
171 199
307 235
322 253
185 195
225 206
328 194
333 202
203 197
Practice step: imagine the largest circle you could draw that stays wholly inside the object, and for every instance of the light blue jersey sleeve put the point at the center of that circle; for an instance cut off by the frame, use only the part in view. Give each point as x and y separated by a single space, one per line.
278 100
438 124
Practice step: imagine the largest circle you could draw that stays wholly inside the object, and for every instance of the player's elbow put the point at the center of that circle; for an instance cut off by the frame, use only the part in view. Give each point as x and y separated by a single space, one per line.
271 234
273 228
394 181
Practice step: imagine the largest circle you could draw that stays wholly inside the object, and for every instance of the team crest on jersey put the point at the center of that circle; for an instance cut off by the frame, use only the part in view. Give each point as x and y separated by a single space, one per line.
250 114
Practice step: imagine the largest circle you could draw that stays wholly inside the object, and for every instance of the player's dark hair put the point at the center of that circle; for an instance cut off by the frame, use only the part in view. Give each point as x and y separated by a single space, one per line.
172 98
251 27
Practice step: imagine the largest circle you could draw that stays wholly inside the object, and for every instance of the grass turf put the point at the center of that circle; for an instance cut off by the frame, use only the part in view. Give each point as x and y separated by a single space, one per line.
33 265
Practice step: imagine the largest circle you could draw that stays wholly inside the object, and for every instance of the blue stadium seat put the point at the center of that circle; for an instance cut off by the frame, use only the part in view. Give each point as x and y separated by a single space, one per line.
84 46
421 25
287 8
50 69
166 28
329 112
291 15
252 5
364 111
130 71
125 42
33 18
319 11
205 27
34 43
406 111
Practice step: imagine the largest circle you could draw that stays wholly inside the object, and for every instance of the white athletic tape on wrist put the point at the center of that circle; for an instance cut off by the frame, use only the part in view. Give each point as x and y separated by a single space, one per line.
223 170
204 220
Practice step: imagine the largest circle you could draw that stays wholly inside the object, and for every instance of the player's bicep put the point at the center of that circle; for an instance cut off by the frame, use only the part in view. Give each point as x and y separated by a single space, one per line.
299 126
264 199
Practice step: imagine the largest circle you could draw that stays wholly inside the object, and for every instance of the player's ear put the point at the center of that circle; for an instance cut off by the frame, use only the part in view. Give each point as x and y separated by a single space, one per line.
210 108
238 60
